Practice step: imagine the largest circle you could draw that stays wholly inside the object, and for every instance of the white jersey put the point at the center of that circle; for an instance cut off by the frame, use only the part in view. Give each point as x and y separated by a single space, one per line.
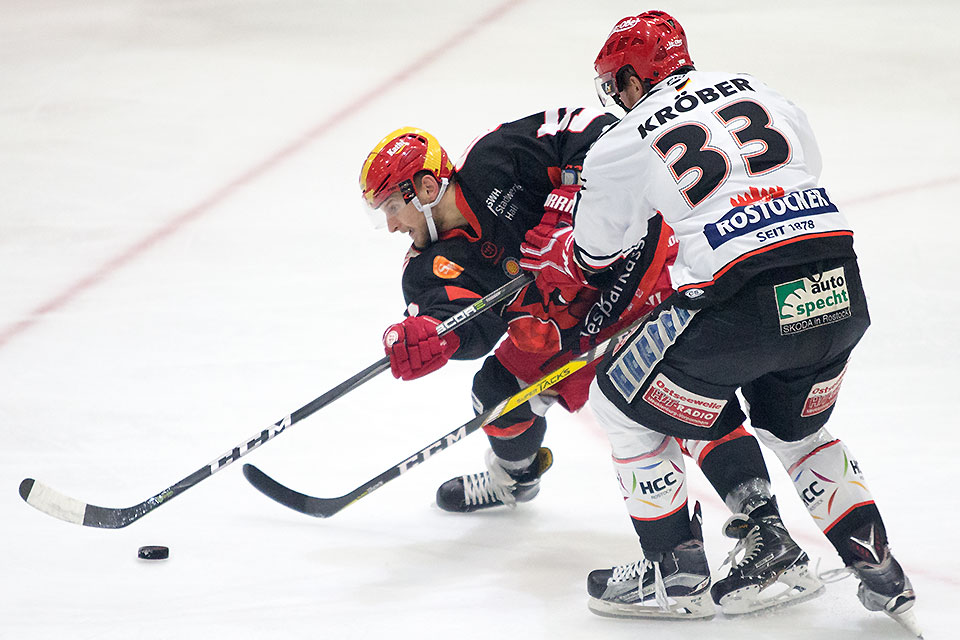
734 169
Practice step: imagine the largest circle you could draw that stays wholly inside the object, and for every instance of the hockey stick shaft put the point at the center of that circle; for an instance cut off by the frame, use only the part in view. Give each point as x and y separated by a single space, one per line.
326 507
60 506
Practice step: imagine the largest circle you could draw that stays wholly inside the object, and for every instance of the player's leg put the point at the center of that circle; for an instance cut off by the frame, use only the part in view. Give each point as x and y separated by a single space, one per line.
516 460
790 408
735 467
673 579
678 375
828 478
768 568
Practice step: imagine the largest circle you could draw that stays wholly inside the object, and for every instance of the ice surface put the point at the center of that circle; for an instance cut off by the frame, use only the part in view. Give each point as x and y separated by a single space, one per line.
185 261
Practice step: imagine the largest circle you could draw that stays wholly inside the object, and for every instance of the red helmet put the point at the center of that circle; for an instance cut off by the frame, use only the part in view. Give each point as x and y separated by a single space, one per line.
396 159
653 43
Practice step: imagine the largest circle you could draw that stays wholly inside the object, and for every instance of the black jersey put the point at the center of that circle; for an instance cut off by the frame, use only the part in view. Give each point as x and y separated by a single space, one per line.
501 182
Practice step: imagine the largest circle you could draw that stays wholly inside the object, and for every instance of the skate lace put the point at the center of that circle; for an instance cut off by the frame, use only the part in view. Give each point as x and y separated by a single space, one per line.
832 575
628 571
492 485
636 571
659 588
750 544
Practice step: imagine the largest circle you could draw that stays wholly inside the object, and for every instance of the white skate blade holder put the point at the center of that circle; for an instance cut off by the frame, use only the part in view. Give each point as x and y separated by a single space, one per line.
793 586
699 607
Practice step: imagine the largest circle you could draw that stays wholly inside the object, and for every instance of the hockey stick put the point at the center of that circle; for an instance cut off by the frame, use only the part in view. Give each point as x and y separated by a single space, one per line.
326 507
60 506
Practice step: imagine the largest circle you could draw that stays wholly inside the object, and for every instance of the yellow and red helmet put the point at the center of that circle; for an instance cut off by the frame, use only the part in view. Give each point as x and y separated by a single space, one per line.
395 160
653 43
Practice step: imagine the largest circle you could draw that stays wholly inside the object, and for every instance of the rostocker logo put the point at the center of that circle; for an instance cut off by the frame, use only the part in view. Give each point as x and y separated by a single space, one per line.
808 303
769 216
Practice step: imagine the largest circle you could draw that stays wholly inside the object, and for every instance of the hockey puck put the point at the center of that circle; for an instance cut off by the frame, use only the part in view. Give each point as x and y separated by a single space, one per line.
153 553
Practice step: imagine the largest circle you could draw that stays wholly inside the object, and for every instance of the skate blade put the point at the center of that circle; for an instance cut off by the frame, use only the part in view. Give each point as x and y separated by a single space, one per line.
908 620
792 587
698 607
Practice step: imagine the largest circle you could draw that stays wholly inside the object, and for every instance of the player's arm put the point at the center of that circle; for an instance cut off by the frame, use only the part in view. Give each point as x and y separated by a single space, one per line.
442 300
607 225
436 287
562 265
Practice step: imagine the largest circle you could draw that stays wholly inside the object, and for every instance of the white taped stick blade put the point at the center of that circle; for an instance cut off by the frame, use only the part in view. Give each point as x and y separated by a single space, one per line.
52 502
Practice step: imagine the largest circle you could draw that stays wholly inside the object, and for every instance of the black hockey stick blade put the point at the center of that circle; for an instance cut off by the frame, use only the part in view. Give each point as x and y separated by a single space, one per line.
326 507
63 507
317 507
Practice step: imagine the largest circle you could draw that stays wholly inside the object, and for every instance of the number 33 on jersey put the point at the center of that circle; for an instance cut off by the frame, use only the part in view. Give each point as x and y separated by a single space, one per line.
733 167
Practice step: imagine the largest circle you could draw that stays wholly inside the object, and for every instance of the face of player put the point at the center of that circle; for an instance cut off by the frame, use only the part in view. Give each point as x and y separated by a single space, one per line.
404 217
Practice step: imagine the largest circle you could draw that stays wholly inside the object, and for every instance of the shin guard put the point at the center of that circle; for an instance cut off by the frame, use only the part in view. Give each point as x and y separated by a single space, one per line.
828 479
652 478
654 490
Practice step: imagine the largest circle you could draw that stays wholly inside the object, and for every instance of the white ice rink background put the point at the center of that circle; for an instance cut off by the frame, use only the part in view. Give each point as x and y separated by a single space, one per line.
184 261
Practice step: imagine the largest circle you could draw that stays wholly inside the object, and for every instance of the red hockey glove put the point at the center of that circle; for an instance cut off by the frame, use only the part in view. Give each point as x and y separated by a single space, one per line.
415 349
549 254
548 250
558 207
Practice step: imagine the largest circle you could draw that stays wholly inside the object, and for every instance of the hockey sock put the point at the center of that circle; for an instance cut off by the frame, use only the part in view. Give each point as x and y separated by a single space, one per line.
493 383
521 447
743 486
753 498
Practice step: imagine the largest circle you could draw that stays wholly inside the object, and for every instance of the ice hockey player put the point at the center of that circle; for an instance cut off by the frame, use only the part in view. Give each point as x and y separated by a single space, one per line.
467 225
768 300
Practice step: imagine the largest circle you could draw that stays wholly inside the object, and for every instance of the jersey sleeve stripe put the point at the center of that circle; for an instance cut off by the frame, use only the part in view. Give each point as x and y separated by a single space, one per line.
459 293
594 263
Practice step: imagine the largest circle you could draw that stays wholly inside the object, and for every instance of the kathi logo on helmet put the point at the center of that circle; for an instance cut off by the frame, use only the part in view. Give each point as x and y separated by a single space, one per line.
397 146
673 44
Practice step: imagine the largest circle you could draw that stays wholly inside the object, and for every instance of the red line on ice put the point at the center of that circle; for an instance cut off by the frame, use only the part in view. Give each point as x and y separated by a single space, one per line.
223 193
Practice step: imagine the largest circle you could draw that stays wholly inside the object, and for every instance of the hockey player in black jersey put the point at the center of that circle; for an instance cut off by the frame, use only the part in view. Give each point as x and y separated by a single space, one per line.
466 224
768 302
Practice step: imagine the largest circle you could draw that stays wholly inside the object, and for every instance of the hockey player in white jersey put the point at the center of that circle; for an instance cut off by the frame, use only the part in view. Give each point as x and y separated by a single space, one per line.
767 300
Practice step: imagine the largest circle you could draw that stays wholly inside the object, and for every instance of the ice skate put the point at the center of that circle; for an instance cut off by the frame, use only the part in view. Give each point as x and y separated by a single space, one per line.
773 571
883 584
494 487
674 586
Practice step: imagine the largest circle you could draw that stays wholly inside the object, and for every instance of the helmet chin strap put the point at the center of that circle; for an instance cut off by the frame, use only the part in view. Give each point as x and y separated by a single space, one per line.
425 209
